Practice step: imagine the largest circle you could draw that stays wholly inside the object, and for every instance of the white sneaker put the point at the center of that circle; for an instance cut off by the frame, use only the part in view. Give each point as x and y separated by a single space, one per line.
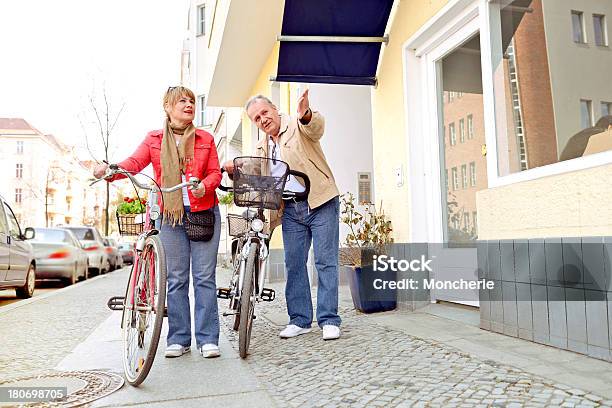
210 350
176 350
292 330
331 332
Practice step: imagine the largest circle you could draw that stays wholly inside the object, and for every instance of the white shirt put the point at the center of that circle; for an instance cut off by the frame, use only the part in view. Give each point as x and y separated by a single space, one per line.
278 170
184 189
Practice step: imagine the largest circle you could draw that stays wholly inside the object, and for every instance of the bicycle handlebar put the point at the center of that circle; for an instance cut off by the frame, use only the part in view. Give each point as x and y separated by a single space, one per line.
114 169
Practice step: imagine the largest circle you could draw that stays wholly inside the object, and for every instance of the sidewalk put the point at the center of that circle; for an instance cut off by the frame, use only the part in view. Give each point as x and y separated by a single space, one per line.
187 381
434 357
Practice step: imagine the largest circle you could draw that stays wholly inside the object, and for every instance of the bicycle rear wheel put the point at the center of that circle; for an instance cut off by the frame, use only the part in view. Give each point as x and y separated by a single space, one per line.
247 303
144 311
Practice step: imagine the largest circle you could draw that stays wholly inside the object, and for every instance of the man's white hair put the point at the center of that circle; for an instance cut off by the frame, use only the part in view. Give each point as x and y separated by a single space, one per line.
256 98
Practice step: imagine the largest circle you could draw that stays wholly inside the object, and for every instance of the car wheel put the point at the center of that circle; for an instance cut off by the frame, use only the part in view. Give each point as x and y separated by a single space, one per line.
27 290
86 272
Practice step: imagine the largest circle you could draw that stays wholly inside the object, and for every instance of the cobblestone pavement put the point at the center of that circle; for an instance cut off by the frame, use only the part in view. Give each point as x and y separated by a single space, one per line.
375 366
38 335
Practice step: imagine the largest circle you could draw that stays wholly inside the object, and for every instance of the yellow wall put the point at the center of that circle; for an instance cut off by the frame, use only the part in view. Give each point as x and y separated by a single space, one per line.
571 204
389 138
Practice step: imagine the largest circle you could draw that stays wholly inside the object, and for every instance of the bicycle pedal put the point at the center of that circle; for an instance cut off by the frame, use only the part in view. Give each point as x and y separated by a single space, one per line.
166 311
223 293
115 303
268 295
230 313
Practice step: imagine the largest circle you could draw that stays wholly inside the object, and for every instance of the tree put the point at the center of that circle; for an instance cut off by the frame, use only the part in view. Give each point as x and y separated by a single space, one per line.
105 121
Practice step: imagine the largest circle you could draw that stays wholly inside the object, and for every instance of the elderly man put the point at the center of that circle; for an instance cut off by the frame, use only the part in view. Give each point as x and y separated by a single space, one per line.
315 219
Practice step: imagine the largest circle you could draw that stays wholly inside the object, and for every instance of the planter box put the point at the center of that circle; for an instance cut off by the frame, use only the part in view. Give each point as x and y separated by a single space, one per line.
360 283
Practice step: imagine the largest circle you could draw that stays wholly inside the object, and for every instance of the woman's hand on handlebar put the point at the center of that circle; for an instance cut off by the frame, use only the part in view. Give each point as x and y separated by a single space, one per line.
100 170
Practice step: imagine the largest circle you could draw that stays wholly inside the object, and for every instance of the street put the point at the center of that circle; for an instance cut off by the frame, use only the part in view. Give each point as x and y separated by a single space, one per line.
387 359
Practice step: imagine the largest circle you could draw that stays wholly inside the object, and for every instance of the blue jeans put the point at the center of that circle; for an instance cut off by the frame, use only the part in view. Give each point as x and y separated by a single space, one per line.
180 252
302 225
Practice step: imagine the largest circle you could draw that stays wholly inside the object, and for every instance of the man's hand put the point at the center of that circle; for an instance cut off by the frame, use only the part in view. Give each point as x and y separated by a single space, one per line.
303 109
229 166
199 191
100 170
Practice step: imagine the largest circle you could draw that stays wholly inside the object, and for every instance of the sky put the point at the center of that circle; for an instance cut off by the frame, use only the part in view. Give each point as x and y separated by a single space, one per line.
56 54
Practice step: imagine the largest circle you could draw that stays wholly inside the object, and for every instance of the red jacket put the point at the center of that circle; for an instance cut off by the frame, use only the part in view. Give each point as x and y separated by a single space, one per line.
205 165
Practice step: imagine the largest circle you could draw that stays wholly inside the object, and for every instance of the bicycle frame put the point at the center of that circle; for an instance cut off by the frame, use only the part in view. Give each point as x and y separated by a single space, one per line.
262 258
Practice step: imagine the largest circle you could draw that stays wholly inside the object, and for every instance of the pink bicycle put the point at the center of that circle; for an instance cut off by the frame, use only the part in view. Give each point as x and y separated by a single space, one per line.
144 303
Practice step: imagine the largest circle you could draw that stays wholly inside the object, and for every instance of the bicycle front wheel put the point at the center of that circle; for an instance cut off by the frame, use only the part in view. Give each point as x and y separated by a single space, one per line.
247 303
144 311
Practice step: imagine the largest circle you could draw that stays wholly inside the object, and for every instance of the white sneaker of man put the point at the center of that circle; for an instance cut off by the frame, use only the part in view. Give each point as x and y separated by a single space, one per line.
331 332
176 350
210 350
292 331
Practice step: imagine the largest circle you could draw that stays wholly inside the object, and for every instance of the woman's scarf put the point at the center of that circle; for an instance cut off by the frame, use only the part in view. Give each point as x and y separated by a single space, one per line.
173 161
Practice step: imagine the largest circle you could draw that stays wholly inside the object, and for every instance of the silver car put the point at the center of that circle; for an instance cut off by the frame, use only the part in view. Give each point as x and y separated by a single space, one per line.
93 243
17 264
59 255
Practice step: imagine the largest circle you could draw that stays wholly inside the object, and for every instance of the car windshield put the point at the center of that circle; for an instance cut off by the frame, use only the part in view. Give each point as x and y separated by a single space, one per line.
51 235
83 233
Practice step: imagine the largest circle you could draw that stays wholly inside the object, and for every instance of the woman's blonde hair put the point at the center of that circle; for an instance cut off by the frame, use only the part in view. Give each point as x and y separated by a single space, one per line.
173 94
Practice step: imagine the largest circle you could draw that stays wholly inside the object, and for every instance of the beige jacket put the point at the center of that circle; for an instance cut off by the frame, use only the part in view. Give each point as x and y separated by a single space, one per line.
300 148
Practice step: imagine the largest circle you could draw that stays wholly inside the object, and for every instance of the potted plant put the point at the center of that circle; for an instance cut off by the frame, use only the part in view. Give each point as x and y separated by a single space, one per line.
369 235
130 215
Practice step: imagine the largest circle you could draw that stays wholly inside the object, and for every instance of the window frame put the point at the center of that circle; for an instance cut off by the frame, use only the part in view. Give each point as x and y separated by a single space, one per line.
472 174
201 20
201 104
455 177
18 170
604 29
452 134
583 35
20 145
462 130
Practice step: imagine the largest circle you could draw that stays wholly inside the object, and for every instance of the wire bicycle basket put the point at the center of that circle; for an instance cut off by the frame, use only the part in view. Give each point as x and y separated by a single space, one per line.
130 224
255 186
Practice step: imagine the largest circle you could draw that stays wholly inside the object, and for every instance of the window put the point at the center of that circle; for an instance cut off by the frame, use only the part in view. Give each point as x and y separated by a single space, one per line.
473 174
466 220
202 110
606 109
452 134
201 19
455 178
20 147
462 130
470 120
599 25
475 221
464 177
446 179
365 187
14 229
586 114
19 170
18 194
579 35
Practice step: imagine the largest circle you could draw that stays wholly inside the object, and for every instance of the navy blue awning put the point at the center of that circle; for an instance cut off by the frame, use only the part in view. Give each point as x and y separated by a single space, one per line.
314 45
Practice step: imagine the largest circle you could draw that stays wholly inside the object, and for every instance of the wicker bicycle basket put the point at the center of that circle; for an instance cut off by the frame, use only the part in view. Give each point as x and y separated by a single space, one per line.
129 225
255 187
238 226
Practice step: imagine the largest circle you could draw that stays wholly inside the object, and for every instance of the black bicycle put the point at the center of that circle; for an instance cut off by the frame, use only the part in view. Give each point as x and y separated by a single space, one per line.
255 189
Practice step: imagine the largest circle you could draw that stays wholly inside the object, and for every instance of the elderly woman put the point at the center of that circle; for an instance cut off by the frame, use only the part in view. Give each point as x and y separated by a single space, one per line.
180 151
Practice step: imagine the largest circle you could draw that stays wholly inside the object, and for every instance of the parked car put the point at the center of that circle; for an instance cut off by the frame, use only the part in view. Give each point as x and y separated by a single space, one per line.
112 250
59 255
92 242
126 250
17 263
